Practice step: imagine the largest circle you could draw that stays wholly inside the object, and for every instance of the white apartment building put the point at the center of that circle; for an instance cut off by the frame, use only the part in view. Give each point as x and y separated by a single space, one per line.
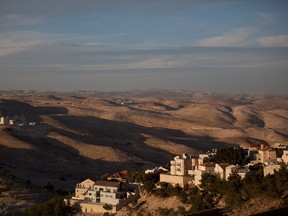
91 195
207 167
106 192
180 165
82 188
178 171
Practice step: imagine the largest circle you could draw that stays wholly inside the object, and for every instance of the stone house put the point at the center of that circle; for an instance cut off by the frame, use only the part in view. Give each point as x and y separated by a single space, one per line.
266 154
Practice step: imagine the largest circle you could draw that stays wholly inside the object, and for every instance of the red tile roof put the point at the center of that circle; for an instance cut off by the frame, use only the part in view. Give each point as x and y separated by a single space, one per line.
223 166
208 164
122 174
254 145
107 183
265 149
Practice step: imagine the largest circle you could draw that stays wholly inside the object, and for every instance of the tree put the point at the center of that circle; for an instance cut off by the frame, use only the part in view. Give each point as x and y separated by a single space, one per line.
233 196
108 207
269 188
208 183
55 207
231 156
281 179
252 186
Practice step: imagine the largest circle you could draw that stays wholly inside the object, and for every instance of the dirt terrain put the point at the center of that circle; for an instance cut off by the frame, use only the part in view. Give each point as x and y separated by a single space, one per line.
17 194
88 134
149 205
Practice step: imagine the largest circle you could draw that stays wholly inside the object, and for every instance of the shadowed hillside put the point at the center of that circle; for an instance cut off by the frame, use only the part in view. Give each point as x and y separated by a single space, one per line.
84 134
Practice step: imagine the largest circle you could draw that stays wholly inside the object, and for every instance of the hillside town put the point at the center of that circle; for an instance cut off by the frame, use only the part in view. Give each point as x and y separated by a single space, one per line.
181 179
186 171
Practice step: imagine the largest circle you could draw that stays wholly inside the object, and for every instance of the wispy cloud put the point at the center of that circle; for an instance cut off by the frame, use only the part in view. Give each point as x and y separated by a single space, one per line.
236 38
268 19
12 42
274 41
19 19
17 41
152 63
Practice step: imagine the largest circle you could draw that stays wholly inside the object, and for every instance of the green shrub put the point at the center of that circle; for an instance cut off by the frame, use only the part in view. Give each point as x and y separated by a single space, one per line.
55 207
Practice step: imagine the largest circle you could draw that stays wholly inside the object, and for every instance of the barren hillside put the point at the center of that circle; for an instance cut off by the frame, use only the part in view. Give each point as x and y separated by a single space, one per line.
84 135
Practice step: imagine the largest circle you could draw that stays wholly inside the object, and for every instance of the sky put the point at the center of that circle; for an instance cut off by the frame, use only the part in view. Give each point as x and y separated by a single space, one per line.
227 46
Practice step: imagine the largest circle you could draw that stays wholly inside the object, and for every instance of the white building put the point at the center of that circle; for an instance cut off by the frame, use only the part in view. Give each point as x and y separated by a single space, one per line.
230 170
280 146
266 154
220 170
207 167
9 120
106 192
285 157
91 195
180 165
4 120
159 169
203 158
270 169
82 188
178 171
241 171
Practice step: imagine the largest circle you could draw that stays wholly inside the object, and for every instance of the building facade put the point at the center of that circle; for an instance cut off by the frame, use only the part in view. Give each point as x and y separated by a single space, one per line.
266 154
93 196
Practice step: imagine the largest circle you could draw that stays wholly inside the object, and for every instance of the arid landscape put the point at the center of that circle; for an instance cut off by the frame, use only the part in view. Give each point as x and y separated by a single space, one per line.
183 103
89 134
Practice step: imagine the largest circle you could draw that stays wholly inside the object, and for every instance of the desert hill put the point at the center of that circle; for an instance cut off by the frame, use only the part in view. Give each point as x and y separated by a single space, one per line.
84 134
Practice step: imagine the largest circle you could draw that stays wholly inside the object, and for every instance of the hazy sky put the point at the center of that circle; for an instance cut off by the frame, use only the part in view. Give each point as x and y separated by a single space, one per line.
212 45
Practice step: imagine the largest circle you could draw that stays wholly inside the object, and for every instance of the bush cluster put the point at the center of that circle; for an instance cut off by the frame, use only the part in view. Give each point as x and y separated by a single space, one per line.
235 191
231 156
149 180
55 207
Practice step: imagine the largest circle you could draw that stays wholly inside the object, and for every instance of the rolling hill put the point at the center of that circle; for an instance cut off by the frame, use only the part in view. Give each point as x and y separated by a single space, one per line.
88 134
